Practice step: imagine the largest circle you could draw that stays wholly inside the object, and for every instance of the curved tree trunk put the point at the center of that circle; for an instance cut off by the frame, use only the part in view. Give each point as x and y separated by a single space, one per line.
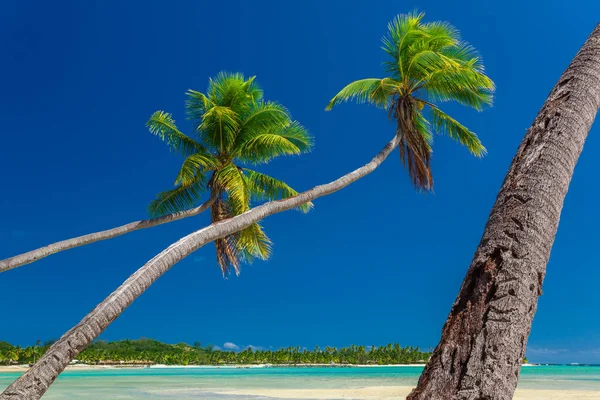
34 383
483 341
35 255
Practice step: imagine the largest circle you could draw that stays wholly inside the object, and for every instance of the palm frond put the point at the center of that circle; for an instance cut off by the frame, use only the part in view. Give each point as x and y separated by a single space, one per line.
263 117
163 125
219 128
180 198
231 180
196 105
263 146
465 54
443 123
265 187
427 61
234 91
195 165
373 90
463 85
423 127
440 35
253 243
403 31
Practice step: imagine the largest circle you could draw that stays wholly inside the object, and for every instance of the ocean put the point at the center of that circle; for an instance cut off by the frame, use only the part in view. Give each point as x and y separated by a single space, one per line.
238 383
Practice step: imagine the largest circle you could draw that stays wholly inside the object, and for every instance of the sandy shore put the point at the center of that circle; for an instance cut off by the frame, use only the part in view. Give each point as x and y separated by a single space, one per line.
78 367
397 392
83 367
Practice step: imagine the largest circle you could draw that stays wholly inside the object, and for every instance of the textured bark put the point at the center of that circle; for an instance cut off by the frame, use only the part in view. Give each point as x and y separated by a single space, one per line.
484 338
35 255
34 383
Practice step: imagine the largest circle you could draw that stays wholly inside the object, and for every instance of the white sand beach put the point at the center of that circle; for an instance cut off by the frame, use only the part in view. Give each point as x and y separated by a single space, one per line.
396 392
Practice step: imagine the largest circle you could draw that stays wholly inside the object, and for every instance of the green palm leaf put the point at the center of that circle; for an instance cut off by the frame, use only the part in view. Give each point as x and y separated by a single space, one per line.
423 127
443 123
427 62
403 32
219 128
465 54
262 146
234 91
463 85
163 125
253 243
440 35
372 90
264 116
194 166
231 179
196 105
265 187
178 199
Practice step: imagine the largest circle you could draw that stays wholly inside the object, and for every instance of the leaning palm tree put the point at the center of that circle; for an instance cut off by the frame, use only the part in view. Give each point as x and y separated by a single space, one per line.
235 129
484 339
263 130
34 383
429 63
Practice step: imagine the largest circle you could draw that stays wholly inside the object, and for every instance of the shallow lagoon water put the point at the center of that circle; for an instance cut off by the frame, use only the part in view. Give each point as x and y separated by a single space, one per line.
207 383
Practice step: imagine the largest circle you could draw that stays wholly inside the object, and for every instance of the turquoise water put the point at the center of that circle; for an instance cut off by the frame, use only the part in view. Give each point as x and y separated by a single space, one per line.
200 383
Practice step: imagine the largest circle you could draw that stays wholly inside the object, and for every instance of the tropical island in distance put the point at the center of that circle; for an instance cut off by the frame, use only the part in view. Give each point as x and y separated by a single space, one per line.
149 352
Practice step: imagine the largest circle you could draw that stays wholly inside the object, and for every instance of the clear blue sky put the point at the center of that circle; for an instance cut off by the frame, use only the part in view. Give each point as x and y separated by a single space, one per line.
373 264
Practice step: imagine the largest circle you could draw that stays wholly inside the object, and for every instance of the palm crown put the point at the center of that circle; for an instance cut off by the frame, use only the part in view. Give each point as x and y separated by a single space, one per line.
234 128
429 63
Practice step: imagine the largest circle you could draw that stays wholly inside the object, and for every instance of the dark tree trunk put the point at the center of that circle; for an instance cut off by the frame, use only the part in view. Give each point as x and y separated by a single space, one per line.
484 338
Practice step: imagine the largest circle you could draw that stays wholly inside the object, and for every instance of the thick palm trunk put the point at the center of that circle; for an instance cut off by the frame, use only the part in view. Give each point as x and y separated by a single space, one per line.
35 255
483 341
34 383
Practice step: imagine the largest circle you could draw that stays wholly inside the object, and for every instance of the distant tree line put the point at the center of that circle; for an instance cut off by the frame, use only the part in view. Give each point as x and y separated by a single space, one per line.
149 351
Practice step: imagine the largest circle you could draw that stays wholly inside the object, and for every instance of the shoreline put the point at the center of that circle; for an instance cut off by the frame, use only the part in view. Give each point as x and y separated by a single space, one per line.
396 392
92 367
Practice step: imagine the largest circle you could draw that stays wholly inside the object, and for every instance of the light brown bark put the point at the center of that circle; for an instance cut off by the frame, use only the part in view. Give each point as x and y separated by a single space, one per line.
37 254
34 383
485 336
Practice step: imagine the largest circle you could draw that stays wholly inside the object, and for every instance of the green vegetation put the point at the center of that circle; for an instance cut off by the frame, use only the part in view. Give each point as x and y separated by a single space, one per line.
149 351
429 63
234 128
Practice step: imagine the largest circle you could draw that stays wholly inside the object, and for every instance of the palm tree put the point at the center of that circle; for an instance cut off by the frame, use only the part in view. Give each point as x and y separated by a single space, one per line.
36 381
235 128
14 355
428 63
485 336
